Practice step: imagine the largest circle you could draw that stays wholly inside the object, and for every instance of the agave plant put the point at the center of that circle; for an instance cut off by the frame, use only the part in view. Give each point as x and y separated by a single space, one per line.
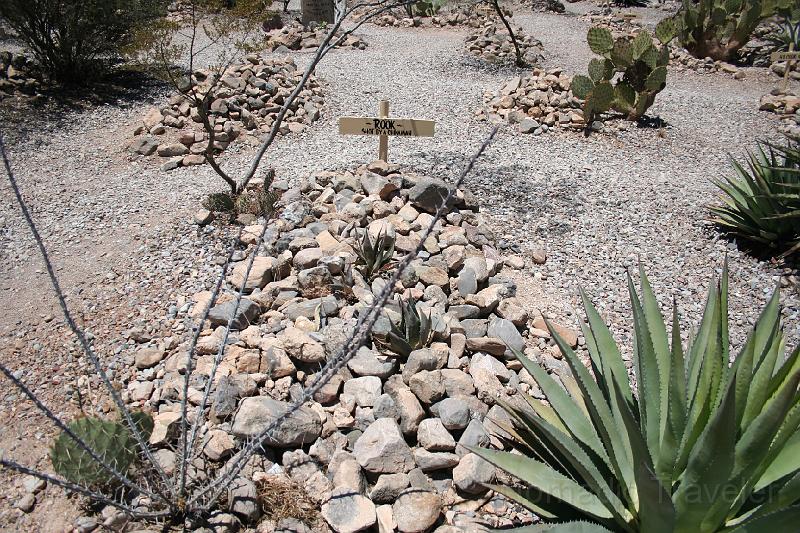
374 255
412 332
762 201
692 444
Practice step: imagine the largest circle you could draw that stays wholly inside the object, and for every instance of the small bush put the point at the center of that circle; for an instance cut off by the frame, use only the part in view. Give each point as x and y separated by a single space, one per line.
762 200
375 255
414 331
74 41
693 444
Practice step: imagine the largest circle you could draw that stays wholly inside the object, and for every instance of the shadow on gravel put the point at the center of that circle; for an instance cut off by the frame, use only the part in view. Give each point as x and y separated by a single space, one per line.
57 106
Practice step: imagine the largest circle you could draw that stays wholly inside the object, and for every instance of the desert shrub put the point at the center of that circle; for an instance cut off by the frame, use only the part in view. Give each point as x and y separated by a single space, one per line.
719 28
76 40
693 444
629 75
762 200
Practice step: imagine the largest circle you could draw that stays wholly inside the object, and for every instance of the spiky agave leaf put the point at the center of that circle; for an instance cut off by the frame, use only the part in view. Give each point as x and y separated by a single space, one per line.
761 204
659 460
375 255
412 332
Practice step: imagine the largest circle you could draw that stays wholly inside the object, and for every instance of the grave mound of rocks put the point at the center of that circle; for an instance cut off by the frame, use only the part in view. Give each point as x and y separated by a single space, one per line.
18 74
384 442
492 43
538 102
246 99
295 36
787 105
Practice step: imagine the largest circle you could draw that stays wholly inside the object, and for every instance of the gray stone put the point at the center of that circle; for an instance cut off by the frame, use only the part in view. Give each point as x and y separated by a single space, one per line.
430 461
365 390
474 327
490 345
506 331
255 414
246 314
308 308
528 125
463 311
472 474
434 437
370 363
467 282
427 386
381 449
144 146
453 413
243 500
409 409
416 510
422 359
487 362
26 503
388 487
475 435
457 382
385 408
428 194
148 357
478 265
347 511
224 400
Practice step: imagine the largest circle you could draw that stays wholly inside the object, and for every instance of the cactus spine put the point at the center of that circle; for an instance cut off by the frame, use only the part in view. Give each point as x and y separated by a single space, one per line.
641 64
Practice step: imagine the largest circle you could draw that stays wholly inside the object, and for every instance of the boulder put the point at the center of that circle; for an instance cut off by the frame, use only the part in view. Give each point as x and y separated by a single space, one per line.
255 414
381 449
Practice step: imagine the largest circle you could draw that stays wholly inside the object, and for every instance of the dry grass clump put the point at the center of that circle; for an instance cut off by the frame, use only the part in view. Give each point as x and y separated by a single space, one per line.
280 498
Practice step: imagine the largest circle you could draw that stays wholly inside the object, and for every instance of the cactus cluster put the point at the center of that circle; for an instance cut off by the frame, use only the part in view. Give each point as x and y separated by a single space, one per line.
113 442
719 28
628 75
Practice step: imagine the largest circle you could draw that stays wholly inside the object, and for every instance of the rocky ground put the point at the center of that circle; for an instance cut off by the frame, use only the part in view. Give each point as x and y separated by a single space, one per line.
130 257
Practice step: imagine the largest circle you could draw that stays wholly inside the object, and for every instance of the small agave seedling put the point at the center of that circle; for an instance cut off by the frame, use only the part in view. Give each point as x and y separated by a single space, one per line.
628 76
111 441
413 332
375 255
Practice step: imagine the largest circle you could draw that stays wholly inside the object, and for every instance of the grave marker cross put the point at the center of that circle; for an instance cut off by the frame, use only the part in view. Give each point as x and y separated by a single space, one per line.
384 127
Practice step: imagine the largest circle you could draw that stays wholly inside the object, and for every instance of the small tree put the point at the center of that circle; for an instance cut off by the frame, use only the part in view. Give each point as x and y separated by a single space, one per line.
76 40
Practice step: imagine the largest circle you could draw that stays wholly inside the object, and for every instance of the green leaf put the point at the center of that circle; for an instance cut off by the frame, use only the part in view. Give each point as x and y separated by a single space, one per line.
597 69
783 520
641 43
581 86
544 478
711 463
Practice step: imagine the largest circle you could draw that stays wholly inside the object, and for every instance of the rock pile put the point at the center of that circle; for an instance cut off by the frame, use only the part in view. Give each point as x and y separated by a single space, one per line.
246 99
683 60
385 441
538 102
469 16
492 43
295 36
18 74
787 105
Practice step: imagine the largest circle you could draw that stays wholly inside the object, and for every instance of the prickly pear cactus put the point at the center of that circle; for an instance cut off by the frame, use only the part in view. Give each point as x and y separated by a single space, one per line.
628 75
719 28
111 441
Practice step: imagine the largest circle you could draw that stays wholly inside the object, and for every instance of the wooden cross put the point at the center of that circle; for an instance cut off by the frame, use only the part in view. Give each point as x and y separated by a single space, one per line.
790 57
384 127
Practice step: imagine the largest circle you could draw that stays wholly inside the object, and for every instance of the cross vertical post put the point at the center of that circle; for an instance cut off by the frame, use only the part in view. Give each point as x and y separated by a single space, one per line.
789 65
383 140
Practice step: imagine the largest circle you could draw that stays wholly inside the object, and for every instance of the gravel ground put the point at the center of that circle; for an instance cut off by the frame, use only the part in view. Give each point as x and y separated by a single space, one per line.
121 238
